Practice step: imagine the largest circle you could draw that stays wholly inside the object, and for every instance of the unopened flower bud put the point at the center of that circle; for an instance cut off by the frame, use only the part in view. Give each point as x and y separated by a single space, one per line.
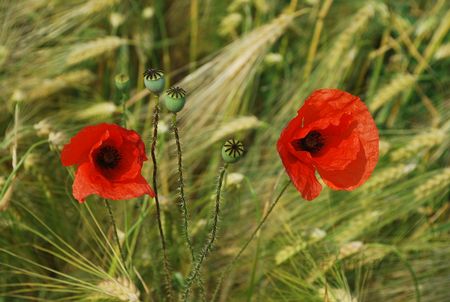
232 151
122 81
154 80
174 99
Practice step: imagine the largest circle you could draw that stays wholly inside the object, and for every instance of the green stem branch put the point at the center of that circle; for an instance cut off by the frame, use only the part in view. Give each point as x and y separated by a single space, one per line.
244 247
204 252
116 233
182 198
158 208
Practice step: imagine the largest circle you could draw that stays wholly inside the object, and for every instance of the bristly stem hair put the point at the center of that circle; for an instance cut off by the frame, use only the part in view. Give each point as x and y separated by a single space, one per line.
212 236
244 247
116 233
168 283
182 199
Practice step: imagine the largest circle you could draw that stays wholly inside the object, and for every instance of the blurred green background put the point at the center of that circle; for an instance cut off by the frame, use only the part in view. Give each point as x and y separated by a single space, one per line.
247 66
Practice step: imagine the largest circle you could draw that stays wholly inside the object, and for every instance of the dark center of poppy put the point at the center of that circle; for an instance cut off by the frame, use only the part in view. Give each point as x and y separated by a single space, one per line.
311 143
107 157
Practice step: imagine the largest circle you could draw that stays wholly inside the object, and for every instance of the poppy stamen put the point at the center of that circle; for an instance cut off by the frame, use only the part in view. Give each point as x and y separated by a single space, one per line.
107 157
312 143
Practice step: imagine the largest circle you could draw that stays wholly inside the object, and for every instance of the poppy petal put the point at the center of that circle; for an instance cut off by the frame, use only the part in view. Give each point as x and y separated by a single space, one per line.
302 175
83 186
342 145
349 178
334 133
80 146
88 182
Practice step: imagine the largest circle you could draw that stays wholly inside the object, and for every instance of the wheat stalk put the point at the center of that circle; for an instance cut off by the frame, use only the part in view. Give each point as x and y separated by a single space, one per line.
120 288
356 226
388 176
358 22
443 52
418 143
51 86
386 93
92 49
102 110
437 183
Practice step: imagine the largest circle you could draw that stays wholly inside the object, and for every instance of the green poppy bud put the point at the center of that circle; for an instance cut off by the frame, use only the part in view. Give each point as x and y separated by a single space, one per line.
232 151
154 80
122 81
174 99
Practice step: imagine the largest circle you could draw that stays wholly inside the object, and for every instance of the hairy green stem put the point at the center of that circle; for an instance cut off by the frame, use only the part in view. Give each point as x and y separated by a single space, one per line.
158 208
123 101
182 200
204 252
244 247
116 233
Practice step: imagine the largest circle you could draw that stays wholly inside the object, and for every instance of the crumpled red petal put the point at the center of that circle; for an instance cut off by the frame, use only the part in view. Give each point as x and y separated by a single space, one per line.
89 182
118 182
350 152
80 146
302 175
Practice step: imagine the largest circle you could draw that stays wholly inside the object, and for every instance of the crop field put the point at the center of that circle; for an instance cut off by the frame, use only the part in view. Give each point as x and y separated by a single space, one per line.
204 228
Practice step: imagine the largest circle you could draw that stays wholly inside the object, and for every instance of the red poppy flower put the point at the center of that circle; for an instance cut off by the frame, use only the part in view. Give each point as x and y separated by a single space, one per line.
334 134
109 160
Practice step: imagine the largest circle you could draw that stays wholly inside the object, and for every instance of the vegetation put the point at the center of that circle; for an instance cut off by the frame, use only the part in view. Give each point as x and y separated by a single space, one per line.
247 66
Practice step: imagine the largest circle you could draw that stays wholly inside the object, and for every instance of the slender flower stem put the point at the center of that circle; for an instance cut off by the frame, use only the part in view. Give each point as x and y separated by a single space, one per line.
204 252
182 200
16 134
116 233
123 101
244 247
182 203
158 209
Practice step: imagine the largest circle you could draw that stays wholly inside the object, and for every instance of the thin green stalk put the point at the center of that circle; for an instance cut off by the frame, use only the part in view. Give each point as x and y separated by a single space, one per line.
11 176
193 36
5 198
158 208
258 240
316 37
116 233
204 252
123 100
182 200
244 247
16 134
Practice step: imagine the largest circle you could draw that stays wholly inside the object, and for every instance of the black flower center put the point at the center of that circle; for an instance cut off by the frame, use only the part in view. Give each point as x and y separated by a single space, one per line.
311 143
107 157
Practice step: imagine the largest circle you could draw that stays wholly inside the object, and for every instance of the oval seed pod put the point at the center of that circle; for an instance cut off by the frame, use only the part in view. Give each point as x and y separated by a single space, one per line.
154 80
122 81
174 99
232 151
